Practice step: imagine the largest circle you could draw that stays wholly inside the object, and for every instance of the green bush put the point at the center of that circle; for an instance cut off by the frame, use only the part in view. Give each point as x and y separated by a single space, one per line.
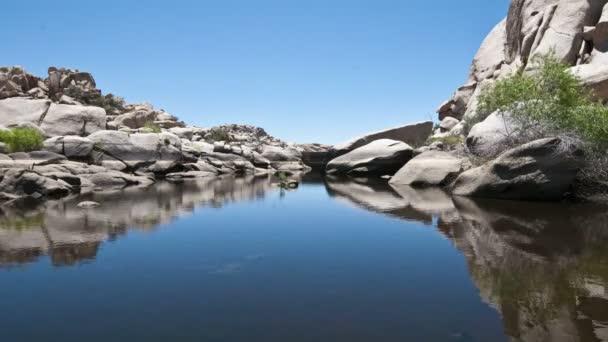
109 102
21 139
450 140
548 101
151 127
219 135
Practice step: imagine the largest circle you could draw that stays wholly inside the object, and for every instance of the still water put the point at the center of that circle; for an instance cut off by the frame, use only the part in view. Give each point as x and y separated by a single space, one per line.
226 259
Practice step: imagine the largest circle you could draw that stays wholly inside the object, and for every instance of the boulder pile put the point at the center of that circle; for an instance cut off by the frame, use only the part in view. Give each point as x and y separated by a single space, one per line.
97 141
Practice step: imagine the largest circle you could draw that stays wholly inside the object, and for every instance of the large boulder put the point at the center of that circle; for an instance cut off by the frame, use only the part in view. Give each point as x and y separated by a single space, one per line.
429 169
414 134
71 146
381 157
26 182
541 170
279 154
15 111
490 135
73 120
148 150
135 119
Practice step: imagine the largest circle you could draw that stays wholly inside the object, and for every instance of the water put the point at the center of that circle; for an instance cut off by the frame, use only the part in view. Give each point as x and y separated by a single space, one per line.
239 260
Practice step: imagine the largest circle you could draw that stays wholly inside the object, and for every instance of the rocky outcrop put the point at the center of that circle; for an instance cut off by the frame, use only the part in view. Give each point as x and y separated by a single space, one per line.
380 157
541 170
432 168
414 134
573 30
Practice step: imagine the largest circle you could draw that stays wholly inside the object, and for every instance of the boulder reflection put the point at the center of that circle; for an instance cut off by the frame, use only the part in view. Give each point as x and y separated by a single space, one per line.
69 235
543 267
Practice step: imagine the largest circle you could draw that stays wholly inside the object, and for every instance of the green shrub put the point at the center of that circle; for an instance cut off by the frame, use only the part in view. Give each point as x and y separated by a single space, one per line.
451 140
549 101
21 139
109 102
217 134
151 127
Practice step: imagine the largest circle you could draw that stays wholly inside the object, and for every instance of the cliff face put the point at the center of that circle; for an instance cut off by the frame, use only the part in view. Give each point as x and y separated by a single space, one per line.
575 31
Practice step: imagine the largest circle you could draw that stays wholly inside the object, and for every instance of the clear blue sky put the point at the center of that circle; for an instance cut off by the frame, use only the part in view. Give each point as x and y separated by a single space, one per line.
314 70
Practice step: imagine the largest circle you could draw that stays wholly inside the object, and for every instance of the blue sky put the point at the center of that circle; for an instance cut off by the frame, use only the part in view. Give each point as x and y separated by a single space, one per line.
306 71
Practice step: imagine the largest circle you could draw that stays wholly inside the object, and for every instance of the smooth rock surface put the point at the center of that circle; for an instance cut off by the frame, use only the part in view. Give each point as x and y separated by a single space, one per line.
381 157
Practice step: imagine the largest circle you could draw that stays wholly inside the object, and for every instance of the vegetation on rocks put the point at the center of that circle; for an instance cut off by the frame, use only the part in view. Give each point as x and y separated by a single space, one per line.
549 101
151 127
219 135
21 139
450 140
109 102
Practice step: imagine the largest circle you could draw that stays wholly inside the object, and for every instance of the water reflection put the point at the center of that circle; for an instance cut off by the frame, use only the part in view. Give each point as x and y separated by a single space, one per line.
543 267
70 235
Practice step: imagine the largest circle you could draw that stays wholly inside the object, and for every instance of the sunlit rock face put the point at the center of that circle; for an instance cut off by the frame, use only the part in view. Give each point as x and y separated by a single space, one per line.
574 31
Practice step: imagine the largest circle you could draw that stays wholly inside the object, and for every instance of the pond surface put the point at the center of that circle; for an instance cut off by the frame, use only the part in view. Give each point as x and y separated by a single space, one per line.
239 260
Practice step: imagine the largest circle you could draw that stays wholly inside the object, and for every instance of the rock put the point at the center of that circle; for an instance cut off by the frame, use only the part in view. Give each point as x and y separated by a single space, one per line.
20 110
432 168
176 176
77 147
185 133
69 178
70 146
69 101
116 179
540 170
157 152
448 123
259 161
278 154
88 205
46 157
414 134
73 120
26 182
379 157
136 119
490 135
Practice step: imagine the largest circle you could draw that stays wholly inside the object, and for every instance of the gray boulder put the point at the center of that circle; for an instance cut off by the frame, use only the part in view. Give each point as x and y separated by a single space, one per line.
414 134
429 169
381 157
279 154
70 146
490 135
157 151
15 111
540 170
73 120
26 182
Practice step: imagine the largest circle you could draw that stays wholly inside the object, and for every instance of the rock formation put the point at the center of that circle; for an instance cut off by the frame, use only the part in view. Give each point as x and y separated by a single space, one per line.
575 31
104 142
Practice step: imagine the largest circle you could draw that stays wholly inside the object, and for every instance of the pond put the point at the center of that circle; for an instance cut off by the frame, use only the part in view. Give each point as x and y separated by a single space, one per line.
238 259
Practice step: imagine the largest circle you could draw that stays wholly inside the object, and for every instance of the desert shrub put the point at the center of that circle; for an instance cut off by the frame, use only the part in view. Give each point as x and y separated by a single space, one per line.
109 102
217 134
21 139
450 140
151 127
548 101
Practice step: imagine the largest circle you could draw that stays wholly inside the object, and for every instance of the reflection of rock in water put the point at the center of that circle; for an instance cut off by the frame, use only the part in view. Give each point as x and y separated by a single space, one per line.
544 267
400 201
70 235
